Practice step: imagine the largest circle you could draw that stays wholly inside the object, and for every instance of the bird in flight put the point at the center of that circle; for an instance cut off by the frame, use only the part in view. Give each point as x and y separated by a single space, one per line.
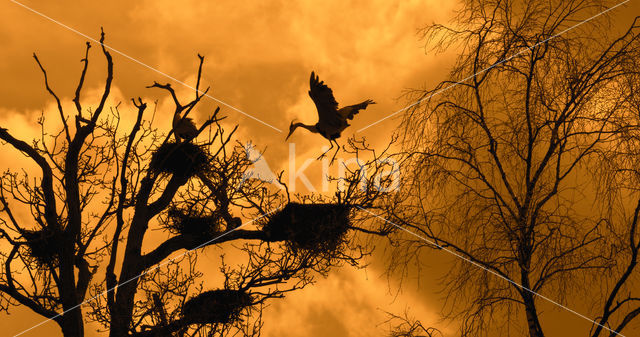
331 120
183 127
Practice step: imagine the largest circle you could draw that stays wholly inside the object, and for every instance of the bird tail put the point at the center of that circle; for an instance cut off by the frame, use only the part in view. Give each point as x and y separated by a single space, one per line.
349 111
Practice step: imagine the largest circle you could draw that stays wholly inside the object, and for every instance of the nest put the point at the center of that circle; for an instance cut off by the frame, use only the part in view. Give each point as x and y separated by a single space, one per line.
215 306
183 159
314 227
44 245
181 222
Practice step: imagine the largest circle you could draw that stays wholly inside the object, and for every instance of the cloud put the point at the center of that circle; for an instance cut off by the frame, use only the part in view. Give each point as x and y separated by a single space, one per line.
350 302
258 58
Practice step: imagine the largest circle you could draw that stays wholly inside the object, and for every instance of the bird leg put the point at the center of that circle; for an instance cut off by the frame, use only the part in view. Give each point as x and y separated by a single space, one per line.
334 154
325 152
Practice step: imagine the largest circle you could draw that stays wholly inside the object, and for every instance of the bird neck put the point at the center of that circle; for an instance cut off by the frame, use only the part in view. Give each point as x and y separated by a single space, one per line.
311 128
176 118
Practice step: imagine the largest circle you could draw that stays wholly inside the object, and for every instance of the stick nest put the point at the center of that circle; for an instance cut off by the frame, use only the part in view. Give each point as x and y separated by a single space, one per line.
182 222
320 228
44 245
183 159
216 306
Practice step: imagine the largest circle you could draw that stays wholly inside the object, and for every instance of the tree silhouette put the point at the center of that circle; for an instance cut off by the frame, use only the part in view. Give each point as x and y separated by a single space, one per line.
525 166
85 252
405 326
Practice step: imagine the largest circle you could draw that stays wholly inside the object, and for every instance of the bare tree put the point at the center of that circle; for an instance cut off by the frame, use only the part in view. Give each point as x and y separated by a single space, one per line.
81 255
405 326
504 155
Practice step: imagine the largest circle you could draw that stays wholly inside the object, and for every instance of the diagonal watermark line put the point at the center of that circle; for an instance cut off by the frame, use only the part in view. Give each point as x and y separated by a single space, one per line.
143 64
490 67
144 273
466 259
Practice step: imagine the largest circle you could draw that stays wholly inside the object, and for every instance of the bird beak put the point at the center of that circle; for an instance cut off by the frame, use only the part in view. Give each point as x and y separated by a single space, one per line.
291 129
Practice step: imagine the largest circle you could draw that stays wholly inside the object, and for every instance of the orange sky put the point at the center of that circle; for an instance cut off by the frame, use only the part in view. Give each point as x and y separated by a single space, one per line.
258 59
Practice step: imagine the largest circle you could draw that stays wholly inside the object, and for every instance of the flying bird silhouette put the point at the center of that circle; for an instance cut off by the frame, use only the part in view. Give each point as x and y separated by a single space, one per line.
331 120
183 128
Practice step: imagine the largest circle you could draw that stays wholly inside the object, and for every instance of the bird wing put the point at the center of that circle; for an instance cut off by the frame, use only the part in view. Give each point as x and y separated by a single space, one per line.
349 111
326 104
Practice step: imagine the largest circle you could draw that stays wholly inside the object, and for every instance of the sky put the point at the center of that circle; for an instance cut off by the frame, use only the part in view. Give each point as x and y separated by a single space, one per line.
258 57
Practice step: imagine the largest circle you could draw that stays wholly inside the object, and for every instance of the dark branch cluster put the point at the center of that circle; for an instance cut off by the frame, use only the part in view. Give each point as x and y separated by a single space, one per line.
102 187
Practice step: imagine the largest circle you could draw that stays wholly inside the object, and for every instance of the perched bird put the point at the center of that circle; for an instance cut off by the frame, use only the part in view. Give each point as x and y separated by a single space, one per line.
184 128
331 120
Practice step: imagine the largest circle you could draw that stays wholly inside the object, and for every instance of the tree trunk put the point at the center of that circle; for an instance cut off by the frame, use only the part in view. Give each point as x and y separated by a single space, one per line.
535 330
72 322
128 282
